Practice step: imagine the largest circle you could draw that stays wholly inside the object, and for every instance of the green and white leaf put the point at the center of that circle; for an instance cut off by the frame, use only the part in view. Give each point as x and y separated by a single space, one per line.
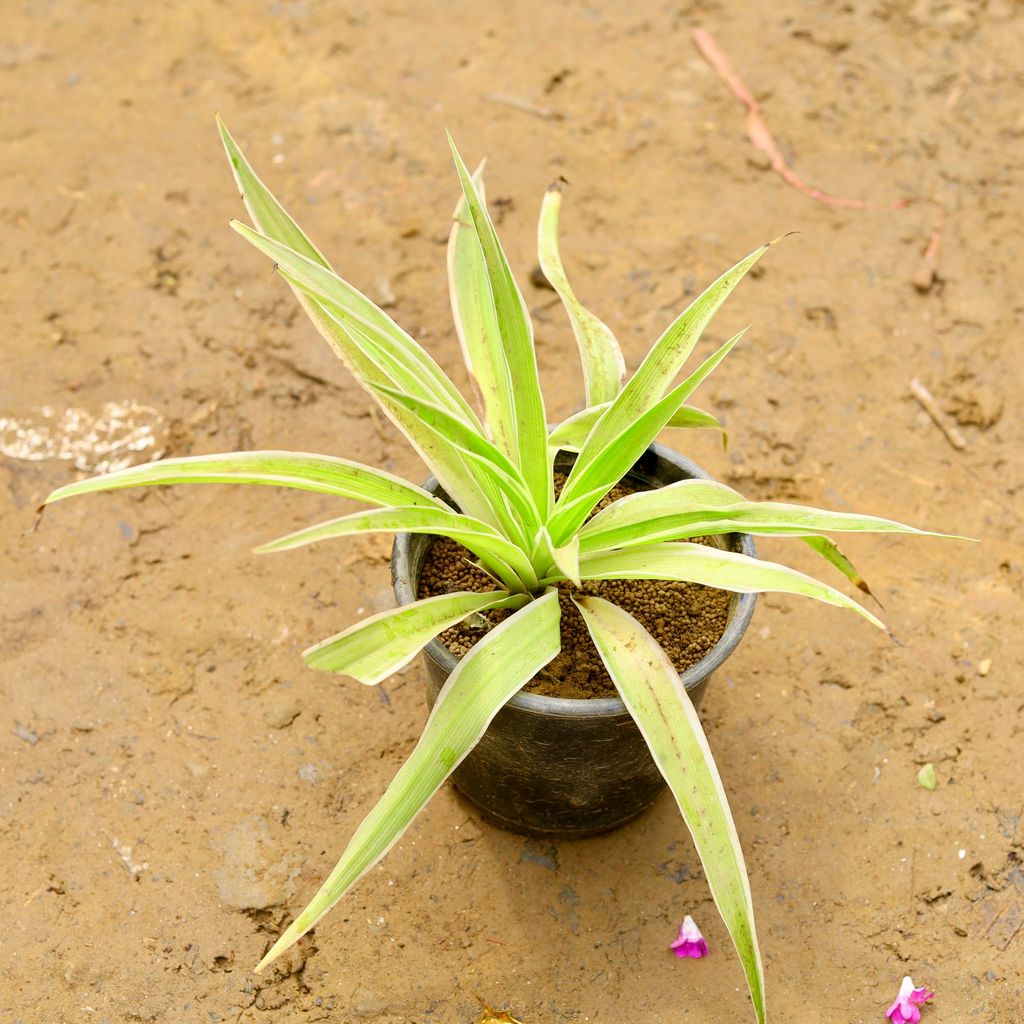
831 553
496 476
324 474
656 699
713 567
571 434
605 467
410 366
476 323
564 560
660 366
695 508
517 337
505 559
267 213
483 681
349 343
283 240
603 365
277 228
379 646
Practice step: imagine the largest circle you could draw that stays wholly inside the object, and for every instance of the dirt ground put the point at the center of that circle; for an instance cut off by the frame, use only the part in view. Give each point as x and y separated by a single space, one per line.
174 782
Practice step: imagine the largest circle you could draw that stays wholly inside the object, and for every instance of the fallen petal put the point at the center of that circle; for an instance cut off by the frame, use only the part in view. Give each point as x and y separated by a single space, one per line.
689 942
921 996
905 1009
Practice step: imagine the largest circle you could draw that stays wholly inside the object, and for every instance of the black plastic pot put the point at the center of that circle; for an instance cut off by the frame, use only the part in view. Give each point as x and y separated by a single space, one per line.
556 767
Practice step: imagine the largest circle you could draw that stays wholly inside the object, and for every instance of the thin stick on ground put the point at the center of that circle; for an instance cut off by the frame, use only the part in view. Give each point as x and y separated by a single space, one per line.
762 138
928 270
518 103
927 402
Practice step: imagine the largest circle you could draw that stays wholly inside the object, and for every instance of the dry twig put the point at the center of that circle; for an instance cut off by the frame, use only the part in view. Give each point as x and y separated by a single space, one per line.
518 103
929 268
762 138
930 406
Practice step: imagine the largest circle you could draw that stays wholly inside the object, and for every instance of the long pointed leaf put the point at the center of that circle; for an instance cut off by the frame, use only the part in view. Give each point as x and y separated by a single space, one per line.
280 228
829 550
476 323
348 343
267 213
601 475
488 676
373 649
517 335
694 508
657 700
351 306
659 368
714 567
493 464
505 559
276 226
602 469
664 361
565 560
571 434
298 470
600 354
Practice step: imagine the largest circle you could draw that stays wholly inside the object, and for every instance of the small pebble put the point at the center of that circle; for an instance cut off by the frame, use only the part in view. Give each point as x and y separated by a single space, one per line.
282 717
23 732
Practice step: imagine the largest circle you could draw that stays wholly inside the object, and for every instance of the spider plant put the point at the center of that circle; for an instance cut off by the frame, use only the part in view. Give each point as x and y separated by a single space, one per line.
496 462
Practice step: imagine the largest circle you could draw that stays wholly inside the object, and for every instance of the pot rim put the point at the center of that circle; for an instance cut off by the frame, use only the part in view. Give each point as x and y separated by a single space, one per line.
740 613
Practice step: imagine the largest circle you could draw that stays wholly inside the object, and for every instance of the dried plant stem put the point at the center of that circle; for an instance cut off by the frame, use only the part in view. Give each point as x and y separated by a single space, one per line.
927 402
762 138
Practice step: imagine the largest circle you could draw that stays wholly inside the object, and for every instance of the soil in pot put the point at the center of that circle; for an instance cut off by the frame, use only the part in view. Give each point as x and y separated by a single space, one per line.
687 619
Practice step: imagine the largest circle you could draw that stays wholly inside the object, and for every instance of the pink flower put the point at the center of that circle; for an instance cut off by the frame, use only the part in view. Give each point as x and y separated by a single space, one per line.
905 1009
689 942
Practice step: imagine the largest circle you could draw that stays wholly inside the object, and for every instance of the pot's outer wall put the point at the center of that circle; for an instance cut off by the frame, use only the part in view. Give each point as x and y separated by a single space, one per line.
566 768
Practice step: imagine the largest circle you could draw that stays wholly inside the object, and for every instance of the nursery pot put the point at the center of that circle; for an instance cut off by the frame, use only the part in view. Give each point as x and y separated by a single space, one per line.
557 767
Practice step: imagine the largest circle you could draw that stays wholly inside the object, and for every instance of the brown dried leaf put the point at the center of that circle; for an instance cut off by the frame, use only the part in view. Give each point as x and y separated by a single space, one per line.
489 1016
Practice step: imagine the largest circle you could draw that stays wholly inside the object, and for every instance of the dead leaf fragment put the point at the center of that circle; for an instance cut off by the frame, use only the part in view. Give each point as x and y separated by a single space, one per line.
489 1016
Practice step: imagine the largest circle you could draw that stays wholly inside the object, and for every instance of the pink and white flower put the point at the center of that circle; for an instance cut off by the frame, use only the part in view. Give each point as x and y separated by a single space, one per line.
689 942
905 1009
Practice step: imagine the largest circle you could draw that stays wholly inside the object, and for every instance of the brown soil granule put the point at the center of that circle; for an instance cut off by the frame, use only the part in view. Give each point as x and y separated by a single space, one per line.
687 619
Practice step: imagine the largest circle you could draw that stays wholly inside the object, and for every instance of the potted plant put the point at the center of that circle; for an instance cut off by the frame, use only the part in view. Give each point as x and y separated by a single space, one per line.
530 557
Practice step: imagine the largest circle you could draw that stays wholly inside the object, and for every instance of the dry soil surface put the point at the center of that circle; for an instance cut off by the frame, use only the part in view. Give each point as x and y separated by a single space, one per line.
174 782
